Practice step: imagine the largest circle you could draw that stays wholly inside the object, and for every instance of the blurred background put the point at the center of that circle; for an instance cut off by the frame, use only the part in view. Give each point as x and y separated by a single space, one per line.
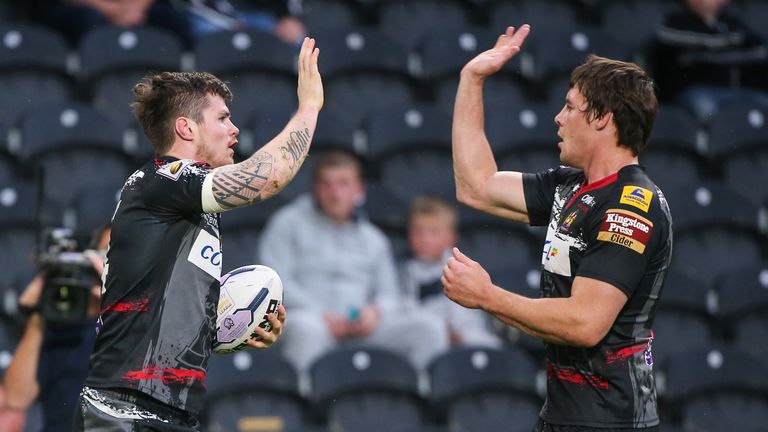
68 141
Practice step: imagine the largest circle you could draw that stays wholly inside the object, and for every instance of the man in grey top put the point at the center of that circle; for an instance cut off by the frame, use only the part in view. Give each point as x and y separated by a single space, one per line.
339 272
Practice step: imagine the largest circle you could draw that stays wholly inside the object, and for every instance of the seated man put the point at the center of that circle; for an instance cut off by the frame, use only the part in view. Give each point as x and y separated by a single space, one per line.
339 273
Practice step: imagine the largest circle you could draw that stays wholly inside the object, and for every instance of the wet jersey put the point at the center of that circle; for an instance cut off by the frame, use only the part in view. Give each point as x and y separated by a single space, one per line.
617 230
161 287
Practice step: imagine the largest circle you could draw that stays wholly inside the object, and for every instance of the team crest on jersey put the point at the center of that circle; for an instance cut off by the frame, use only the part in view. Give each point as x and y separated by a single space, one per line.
173 170
566 225
637 196
625 228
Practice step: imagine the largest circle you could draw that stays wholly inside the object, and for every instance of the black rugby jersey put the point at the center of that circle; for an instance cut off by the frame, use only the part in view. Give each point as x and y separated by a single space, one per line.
617 230
161 287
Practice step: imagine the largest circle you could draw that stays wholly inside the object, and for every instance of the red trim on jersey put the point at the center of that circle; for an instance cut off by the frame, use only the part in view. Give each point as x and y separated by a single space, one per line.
166 375
134 306
605 181
572 376
624 353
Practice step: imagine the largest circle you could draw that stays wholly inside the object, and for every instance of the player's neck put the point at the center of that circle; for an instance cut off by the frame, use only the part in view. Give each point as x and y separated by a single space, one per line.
182 152
603 165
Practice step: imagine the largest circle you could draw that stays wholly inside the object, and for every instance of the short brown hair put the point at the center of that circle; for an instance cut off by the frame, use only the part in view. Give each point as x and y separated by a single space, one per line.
623 89
427 205
337 158
162 98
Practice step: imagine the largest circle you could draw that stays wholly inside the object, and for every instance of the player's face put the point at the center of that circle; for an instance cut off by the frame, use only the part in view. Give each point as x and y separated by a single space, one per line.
430 236
574 130
338 191
217 135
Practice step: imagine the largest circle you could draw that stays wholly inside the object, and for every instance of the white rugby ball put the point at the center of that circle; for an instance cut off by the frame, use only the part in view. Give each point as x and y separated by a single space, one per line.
247 295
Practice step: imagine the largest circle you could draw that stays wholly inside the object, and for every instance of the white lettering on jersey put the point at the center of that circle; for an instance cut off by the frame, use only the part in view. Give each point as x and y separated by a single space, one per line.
206 254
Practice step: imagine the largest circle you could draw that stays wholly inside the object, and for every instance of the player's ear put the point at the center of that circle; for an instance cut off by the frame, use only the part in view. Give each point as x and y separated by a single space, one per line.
185 128
602 122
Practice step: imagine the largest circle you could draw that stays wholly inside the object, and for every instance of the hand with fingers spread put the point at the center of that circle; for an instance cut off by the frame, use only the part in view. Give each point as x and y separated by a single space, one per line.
507 46
269 337
310 88
465 281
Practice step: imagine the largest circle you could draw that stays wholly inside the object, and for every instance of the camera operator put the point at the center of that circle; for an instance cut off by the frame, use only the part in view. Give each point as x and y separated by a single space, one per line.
52 358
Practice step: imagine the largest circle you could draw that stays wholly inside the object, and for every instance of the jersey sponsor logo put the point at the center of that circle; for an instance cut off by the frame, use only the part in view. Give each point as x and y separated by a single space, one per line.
173 170
637 196
625 228
206 254
588 199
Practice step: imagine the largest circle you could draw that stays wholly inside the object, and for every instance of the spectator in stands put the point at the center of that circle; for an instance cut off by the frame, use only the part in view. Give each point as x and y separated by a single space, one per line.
75 18
432 232
706 57
339 272
51 362
280 18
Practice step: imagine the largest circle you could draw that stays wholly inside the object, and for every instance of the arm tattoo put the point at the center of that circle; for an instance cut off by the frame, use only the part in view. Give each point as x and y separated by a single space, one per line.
242 184
249 181
296 148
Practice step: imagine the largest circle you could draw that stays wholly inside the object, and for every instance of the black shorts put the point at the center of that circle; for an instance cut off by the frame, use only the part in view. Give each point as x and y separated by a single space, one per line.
543 426
122 410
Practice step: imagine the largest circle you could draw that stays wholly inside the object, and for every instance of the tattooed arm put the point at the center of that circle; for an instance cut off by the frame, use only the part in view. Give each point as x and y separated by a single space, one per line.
273 166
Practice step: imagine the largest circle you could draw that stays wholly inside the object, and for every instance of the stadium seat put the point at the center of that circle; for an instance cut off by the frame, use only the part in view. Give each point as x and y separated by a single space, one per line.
407 21
242 51
390 213
544 17
738 127
738 139
716 229
360 49
333 132
717 388
498 246
633 23
114 59
253 391
364 70
442 52
367 389
523 137
63 142
483 389
19 233
743 295
319 15
410 145
33 70
241 230
500 92
556 53
685 316
674 156
94 207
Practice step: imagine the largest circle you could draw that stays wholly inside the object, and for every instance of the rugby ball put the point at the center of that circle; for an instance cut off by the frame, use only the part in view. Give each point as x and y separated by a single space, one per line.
246 296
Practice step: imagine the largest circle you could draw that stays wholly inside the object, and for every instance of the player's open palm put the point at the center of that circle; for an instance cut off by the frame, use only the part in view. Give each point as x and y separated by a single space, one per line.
310 88
507 46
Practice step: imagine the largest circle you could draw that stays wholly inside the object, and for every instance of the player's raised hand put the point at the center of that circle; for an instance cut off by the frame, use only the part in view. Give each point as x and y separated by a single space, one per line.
490 61
465 281
310 88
